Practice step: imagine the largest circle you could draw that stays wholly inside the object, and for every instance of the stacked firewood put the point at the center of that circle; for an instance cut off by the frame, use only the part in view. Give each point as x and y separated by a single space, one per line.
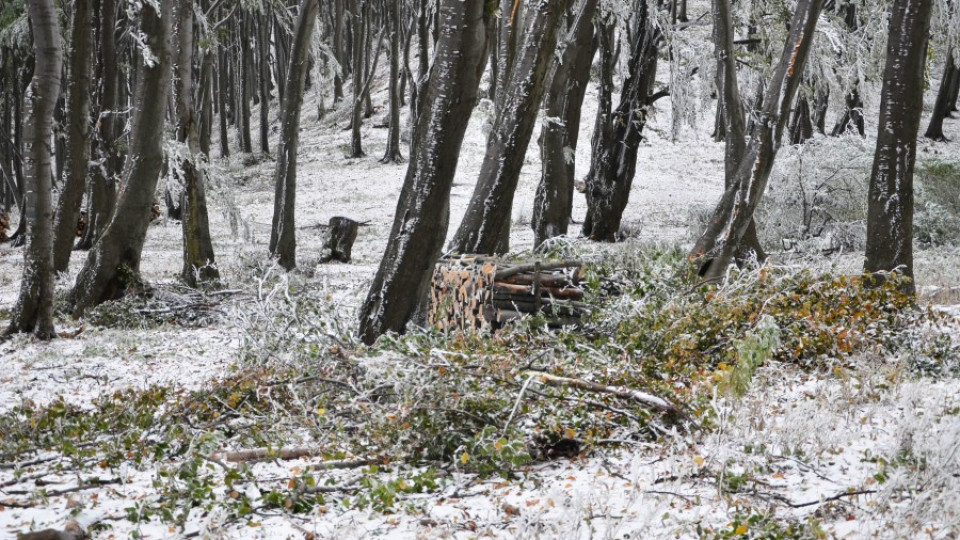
475 293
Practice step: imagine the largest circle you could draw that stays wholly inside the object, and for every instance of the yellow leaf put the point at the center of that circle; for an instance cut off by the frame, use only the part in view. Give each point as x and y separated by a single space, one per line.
498 446
741 530
699 461
464 458
321 412
571 433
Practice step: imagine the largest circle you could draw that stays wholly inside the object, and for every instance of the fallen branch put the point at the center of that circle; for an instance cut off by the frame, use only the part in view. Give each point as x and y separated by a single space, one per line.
523 268
644 398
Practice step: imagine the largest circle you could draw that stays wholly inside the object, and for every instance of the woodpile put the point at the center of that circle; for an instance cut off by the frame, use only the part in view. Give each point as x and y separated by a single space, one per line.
483 293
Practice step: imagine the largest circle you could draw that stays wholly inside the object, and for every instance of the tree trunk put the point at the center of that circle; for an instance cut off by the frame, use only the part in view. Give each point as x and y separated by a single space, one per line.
34 308
852 117
245 62
615 150
553 205
113 263
942 107
338 50
222 84
392 153
357 24
283 240
102 192
78 136
486 225
890 199
199 264
263 47
733 216
400 289
801 128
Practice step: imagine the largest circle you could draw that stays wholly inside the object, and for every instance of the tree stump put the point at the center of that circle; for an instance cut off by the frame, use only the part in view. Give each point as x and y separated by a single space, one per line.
342 233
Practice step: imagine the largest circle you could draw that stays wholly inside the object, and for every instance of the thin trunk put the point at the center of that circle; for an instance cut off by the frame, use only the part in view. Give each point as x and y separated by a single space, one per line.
392 154
222 98
733 216
890 199
78 135
283 240
34 308
553 205
357 24
113 264
942 107
263 42
486 225
199 264
399 291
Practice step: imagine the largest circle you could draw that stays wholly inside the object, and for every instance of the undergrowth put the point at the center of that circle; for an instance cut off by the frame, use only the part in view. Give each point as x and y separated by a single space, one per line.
417 408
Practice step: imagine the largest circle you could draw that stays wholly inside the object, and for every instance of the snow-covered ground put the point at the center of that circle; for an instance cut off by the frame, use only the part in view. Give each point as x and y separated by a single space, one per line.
802 442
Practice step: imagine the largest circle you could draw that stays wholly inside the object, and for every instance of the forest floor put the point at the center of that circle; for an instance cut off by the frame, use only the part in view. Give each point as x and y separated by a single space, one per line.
861 445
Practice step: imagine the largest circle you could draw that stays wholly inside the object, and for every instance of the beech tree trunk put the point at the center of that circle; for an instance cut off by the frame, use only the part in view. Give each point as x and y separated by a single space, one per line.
733 216
559 136
852 117
392 153
78 135
941 110
113 264
283 239
199 262
399 292
890 199
356 121
486 225
617 139
33 311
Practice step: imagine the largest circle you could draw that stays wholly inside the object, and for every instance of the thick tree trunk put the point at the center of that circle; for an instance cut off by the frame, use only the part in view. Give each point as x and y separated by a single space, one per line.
486 225
942 107
890 199
199 264
618 139
78 135
400 289
392 153
733 216
113 263
34 308
559 137
283 240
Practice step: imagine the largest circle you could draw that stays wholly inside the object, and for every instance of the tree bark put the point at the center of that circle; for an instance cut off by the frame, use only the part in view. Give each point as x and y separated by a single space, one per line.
560 133
283 240
733 216
356 121
263 78
890 199
113 263
400 289
33 311
199 262
618 135
486 225
852 117
392 153
942 107
78 136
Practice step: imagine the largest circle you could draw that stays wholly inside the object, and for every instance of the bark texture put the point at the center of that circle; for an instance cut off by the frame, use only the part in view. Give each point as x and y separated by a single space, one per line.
486 225
78 135
941 109
733 216
561 131
283 233
890 199
399 291
113 264
33 311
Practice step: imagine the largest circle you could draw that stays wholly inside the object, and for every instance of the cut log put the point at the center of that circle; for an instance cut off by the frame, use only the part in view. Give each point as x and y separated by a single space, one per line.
342 233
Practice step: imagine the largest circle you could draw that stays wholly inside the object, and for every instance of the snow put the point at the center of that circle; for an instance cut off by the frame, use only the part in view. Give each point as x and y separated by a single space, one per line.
821 433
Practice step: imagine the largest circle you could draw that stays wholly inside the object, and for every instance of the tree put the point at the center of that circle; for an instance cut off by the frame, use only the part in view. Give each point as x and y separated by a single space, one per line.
78 135
486 225
560 133
283 240
113 264
399 291
731 219
34 309
890 199
941 110
199 264
392 153
618 131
